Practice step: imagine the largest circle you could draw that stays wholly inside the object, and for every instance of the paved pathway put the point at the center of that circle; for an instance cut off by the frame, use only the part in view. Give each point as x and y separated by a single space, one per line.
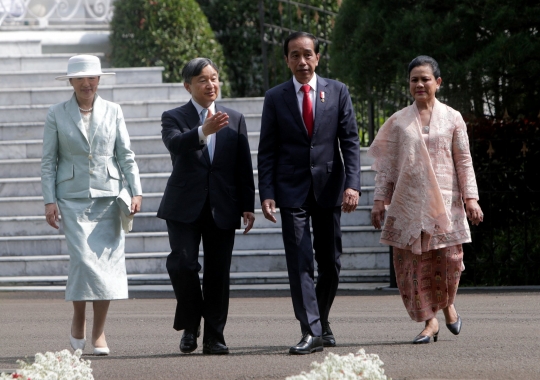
499 340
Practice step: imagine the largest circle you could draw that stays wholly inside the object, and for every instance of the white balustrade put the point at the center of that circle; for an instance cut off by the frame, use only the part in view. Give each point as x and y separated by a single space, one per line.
54 12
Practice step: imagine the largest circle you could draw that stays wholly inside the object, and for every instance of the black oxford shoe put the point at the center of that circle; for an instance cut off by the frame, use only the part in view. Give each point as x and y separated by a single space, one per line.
188 343
213 347
328 336
307 345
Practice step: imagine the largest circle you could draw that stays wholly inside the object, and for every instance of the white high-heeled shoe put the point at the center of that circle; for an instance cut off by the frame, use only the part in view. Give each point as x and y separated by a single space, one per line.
77 344
101 351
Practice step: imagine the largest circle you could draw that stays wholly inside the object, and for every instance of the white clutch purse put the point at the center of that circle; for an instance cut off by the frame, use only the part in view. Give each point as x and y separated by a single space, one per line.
124 202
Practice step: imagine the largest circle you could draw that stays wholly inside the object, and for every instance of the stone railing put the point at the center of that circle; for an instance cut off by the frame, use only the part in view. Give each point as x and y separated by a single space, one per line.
42 13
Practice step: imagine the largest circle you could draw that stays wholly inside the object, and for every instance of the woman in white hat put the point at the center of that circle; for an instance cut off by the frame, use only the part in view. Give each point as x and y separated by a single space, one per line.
86 156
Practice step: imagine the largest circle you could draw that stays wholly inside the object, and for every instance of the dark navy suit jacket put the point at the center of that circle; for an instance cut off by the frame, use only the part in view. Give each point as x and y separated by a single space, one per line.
227 181
289 162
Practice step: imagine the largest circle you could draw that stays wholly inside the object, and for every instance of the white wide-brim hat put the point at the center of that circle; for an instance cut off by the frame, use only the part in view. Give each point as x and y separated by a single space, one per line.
83 66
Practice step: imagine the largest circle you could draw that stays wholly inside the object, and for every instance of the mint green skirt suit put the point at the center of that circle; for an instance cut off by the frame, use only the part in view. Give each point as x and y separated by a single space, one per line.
82 172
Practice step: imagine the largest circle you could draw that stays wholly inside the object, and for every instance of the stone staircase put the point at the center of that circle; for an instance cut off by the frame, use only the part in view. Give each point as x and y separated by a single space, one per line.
34 255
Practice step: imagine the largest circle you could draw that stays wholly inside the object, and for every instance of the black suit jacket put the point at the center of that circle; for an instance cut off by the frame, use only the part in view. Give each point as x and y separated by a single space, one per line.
227 181
289 162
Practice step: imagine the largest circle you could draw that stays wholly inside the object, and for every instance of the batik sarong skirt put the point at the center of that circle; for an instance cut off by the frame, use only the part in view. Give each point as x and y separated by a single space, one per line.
95 241
428 282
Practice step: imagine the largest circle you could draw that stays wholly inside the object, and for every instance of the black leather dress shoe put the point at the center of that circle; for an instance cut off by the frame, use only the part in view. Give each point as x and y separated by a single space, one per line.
188 343
328 336
307 345
213 347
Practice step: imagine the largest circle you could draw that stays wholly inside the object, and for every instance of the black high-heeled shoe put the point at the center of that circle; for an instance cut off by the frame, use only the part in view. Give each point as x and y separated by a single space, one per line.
422 339
455 327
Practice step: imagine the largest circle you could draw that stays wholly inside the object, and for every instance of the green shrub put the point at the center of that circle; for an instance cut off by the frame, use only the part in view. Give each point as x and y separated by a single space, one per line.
165 33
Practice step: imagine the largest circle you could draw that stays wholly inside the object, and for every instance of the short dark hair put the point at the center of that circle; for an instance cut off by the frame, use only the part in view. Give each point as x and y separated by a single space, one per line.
423 60
297 35
194 68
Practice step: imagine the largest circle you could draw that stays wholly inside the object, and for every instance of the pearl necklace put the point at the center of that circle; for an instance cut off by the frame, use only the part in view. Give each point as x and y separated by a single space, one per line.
88 110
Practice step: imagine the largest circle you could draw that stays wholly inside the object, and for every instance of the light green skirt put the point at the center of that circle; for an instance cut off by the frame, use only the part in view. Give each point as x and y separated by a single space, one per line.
95 241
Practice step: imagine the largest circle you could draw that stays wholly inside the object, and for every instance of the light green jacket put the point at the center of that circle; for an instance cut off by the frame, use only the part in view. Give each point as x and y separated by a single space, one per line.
74 166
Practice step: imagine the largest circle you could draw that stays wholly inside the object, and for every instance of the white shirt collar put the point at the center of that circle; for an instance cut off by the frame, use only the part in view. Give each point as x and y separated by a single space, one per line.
312 83
199 108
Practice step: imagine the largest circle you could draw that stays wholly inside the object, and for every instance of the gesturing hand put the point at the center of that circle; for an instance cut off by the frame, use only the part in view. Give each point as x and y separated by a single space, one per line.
269 209
214 123
377 214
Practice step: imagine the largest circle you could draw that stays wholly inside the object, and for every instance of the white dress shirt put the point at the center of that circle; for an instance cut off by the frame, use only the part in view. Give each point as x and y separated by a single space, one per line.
209 140
312 93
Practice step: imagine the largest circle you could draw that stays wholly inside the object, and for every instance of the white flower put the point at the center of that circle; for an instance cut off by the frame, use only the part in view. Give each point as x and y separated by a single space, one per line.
60 365
361 366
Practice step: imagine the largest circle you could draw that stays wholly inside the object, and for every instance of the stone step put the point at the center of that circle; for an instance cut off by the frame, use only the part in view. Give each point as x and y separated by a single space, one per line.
131 109
257 238
43 78
33 205
31 167
375 276
154 262
31 186
62 38
147 221
151 127
12 49
151 182
141 145
28 149
114 93
38 61
344 286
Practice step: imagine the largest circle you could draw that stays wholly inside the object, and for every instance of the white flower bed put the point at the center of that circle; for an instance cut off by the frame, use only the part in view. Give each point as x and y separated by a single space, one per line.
361 366
61 365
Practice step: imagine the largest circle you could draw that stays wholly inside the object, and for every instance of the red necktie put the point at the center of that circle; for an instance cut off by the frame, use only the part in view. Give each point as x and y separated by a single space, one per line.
307 110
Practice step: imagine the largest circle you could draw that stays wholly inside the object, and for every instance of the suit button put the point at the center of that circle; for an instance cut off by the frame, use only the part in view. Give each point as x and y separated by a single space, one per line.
91 171
311 146
312 166
206 189
90 157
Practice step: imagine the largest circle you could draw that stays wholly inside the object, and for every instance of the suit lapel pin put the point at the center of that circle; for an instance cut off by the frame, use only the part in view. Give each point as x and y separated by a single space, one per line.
321 95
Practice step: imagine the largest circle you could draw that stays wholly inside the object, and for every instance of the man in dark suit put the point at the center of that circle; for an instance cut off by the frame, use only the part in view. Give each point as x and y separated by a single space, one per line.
306 121
210 189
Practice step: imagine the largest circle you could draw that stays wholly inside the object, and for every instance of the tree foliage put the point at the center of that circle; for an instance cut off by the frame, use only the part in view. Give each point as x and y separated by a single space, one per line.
165 33
505 249
237 24
488 51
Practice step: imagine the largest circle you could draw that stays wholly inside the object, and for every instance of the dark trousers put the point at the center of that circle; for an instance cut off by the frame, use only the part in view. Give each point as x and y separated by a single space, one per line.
312 302
212 302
